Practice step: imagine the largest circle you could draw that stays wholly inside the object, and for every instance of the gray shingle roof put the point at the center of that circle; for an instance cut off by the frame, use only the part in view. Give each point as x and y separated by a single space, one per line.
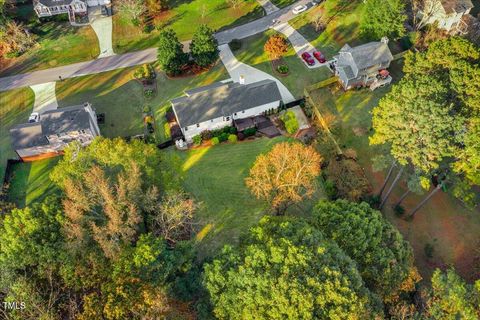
223 100
363 56
452 6
51 122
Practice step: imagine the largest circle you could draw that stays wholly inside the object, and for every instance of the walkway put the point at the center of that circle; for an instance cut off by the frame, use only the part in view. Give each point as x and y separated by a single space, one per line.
103 29
45 98
268 6
139 57
236 69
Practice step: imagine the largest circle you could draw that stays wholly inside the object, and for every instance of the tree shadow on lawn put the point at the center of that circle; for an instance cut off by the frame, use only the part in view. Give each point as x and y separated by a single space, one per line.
252 15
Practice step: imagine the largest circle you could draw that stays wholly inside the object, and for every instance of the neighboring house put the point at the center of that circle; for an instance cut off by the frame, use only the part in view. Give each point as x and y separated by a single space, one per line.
364 65
48 8
218 105
55 129
448 14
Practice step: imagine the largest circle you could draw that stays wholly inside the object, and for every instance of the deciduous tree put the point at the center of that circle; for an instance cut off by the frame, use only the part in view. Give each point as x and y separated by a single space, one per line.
131 10
276 46
383 18
285 175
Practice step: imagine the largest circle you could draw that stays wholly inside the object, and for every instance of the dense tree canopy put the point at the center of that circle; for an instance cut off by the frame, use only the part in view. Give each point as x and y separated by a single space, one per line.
285 269
204 46
170 52
383 18
383 257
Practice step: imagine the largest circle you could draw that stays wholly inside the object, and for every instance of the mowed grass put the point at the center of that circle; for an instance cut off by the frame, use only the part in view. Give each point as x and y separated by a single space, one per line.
184 17
120 97
443 222
282 3
31 182
216 177
59 44
252 53
15 107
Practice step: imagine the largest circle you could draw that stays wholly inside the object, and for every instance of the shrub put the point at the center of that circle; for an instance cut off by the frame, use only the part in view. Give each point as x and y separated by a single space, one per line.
146 109
223 137
148 119
429 249
149 93
197 140
215 141
249 132
232 130
283 69
290 121
330 189
232 138
206 135
240 136
349 179
235 44
147 28
399 210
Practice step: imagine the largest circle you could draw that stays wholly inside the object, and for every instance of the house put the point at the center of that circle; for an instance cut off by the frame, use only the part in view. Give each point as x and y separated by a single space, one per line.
55 129
218 105
48 8
448 14
364 65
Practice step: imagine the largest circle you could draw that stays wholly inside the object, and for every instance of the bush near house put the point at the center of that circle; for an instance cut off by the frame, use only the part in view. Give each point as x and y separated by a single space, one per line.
197 140
232 138
290 121
215 141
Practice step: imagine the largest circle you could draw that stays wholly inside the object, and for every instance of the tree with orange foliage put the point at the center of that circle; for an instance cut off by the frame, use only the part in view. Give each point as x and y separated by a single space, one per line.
284 176
276 46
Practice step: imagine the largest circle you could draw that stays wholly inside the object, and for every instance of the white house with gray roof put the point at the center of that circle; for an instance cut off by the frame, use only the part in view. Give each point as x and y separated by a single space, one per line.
448 14
54 131
364 65
218 105
48 8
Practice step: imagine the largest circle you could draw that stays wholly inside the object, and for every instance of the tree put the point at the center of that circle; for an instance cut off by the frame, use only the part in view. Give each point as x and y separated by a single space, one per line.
155 7
204 46
131 10
14 39
318 22
170 52
453 298
468 160
383 257
383 18
276 46
285 269
285 175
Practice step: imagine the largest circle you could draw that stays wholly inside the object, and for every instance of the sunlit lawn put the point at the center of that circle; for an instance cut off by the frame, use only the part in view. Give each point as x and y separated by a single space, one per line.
252 53
215 176
184 17
31 182
15 107
59 43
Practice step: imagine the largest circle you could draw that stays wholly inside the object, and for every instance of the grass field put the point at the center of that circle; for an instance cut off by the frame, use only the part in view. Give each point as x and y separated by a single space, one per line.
443 222
58 44
120 97
15 107
282 3
300 76
215 176
184 17
31 182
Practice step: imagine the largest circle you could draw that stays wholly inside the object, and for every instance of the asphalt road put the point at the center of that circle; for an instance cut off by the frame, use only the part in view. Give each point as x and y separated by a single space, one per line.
139 57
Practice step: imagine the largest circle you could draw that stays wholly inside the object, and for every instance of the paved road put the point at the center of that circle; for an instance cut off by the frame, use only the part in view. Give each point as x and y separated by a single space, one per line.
135 58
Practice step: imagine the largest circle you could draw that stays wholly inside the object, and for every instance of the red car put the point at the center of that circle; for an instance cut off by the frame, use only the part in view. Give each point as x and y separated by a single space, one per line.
319 56
308 58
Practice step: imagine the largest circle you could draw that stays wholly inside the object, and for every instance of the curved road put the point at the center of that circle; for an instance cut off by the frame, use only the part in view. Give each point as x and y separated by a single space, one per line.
139 57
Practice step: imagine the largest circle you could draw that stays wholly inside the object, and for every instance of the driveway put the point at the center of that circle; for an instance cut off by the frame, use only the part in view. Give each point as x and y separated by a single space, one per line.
268 6
103 29
236 69
299 43
45 98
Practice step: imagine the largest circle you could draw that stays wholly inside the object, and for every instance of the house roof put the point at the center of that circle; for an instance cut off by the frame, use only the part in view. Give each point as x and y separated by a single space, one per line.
206 103
52 3
452 6
62 120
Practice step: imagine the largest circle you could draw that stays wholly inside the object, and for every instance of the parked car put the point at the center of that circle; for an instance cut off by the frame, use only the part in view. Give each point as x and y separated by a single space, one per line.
319 56
308 58
34 117
299 9
316 2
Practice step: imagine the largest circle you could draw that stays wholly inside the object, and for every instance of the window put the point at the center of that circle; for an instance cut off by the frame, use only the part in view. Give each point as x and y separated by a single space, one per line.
235 114
228 119
198 125
186 128
243 111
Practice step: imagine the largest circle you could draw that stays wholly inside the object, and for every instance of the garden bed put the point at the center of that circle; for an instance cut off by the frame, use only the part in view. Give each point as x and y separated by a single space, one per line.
280 67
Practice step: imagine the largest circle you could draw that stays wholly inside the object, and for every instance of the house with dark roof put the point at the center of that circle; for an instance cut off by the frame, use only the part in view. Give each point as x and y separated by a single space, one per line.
364 65
218 105
448 14
54 131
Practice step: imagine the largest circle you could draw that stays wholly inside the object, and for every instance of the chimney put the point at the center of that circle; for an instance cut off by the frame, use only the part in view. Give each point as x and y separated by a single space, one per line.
384 40
242 79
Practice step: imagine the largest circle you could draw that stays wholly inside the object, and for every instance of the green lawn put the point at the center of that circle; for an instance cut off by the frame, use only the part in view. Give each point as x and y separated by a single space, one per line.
215 176
15 107
184 17
282 3
31 182
120 97
300 76
58 44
